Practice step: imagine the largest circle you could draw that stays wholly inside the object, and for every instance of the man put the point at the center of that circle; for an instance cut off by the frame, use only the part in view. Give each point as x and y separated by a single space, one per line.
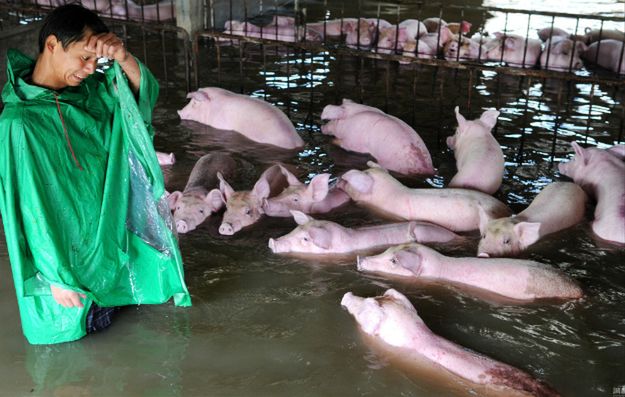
80 186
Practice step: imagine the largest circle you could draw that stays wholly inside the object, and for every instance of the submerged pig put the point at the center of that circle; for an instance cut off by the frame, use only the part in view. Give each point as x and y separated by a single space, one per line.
201 196
601 173
325 237
392 319
392 38
562 53
252 117
512 278
428 45
608 54
479 158
454 209
245 208
365 129
315 198
558 206
514 50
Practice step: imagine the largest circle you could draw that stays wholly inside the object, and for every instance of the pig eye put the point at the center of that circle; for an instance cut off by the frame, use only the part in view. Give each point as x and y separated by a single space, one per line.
248 211
394 260
177 208
506 240
305 239
202 212
296 199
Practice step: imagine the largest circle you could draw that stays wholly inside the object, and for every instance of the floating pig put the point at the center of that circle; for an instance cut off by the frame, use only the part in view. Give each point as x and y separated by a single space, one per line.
201 196
558 206
283 31
454 209
165 158
514 50
245 208
315 198
325 237
546 33
479 158
428 45
252 117
392 38
365 129
562 53
601 173
461 48
608 54
593 35
512 278
392 319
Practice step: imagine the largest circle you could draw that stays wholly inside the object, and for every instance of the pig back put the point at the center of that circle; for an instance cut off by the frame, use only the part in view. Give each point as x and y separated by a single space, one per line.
204 173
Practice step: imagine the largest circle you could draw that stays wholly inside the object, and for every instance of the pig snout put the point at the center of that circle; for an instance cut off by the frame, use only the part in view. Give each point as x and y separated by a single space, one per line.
182 226
226 229
483 255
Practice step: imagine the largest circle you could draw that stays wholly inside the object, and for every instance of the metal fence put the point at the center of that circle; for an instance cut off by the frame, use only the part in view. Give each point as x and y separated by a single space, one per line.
144 11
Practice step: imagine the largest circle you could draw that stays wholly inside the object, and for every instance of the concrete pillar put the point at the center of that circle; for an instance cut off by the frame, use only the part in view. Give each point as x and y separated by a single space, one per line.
190 15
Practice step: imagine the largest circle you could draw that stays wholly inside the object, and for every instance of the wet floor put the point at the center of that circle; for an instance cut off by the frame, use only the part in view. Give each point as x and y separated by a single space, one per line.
268 325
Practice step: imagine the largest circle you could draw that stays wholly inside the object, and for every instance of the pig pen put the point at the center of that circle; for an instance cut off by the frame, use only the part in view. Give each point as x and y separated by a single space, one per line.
269 325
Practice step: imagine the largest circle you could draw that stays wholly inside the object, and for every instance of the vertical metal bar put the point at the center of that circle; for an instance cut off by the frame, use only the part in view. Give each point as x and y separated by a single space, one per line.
588 118
195 61
574 45
164 58
546 65
527 35
505 37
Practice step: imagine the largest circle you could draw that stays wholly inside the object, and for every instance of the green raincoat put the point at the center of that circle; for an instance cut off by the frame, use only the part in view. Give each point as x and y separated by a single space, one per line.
83 210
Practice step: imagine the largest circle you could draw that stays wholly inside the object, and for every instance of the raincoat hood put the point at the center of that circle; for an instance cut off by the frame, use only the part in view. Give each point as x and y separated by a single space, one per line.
82 199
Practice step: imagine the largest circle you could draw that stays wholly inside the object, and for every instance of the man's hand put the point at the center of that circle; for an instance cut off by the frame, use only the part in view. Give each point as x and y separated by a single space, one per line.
107 45
110 46
66 298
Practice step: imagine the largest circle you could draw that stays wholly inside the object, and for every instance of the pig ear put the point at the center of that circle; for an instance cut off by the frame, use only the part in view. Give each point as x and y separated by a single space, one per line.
300 217
224 187
290 178
484 219
199 96
320 236
215 199
465 27
398 297
527 232
173 198
360 181
460 118
489 118
579 152
318 187
333 112
261 188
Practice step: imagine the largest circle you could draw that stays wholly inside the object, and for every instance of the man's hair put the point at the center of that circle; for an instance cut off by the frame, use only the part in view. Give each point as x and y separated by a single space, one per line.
68 24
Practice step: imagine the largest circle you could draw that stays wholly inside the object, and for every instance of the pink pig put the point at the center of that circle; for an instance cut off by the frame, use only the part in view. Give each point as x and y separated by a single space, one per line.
601 173
454 209
562 53
245 208
365 129
517 51
479 158
392 319
558 206
511 278
607 54
252 117
315 198
325 237
392 38
165 158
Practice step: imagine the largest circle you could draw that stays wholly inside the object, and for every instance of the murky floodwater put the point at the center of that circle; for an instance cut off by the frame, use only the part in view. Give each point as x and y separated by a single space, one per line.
267 325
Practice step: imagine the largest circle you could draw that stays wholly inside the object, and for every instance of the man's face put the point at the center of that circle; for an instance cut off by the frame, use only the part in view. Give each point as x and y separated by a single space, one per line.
72 64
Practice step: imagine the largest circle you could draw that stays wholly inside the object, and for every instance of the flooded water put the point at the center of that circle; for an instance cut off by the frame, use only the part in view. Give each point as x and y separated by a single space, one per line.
269 325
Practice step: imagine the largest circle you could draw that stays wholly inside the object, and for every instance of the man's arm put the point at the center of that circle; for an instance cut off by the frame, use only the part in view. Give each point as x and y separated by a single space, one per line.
110 46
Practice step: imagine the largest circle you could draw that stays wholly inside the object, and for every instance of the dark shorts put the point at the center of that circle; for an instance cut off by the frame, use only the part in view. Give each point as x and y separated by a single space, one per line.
99 318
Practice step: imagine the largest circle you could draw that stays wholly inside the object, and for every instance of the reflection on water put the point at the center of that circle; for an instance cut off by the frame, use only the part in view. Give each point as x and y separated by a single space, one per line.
268 325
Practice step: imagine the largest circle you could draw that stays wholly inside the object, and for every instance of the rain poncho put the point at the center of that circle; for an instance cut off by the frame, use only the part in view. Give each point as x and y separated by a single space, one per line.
84 210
